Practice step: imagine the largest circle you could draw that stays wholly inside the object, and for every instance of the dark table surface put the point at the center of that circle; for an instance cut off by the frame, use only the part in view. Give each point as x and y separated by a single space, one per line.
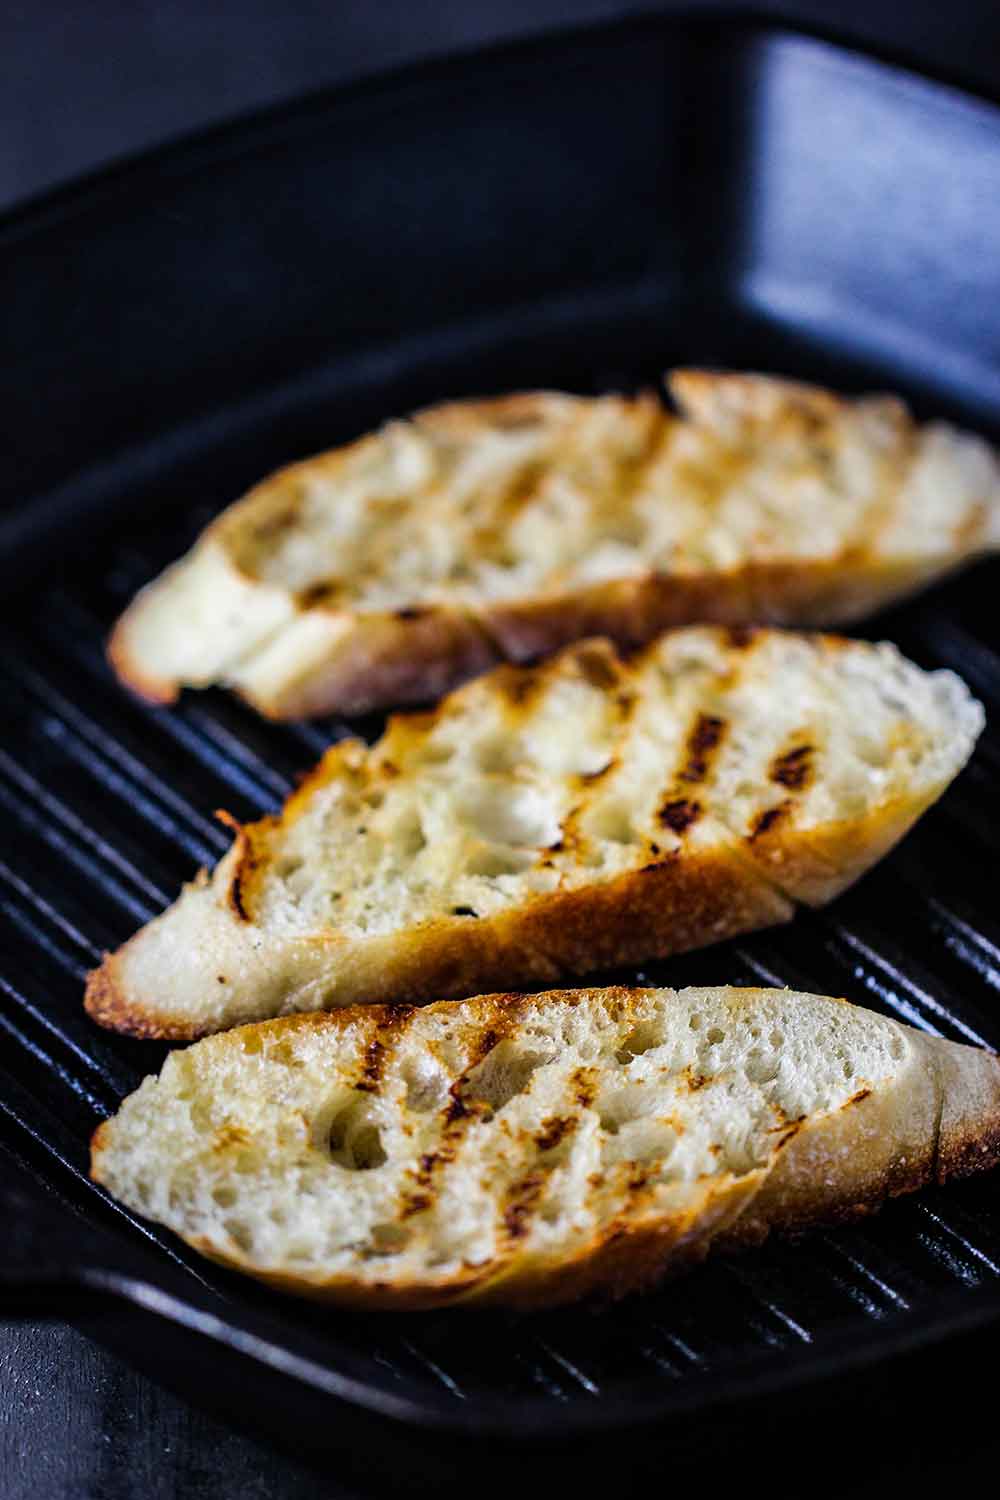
88 84
78 1424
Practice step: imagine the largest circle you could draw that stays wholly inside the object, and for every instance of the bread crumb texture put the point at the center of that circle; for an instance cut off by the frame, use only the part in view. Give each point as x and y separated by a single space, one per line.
535 1148
546 821
391 569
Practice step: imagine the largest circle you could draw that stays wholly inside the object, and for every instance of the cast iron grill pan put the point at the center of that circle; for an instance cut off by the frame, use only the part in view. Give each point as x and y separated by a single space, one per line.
144 393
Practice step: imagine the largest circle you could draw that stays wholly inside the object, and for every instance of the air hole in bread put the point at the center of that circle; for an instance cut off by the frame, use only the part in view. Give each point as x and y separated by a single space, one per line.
641 1038
224 1195
496 859
201 1114
240 1234
761 1067
622 1108
629 531
500 753
408 834
695 1021
505 814
777 1038
873 754
503 1074
431 753
426 1085
642 1141
613 821
714 1036
389 1239
283 1052
354 1140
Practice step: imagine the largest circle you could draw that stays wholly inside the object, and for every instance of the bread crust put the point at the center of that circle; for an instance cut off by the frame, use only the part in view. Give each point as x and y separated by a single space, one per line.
937 1119
327 658
415 656
670 906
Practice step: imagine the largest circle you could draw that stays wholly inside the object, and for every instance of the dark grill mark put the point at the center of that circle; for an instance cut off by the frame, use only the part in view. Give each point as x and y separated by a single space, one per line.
739 637
411 612
521 1200
316 593
246 863
463 911
270 527
552 1132
598 667
766 820
591 778
703 742
584 1087
520 686
679 814
416 1203
793 769
371 1069
483 1046
392 1019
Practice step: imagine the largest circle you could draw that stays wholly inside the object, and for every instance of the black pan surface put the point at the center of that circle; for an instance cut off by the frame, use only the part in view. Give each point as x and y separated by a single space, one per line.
582 211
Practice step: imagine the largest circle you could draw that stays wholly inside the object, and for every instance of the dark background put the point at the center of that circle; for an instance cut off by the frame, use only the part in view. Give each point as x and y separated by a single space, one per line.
84 84
86 81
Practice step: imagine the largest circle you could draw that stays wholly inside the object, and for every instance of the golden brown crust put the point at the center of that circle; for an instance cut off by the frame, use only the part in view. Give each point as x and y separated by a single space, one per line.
711 397
974 1150
669 907
130 669
410 656
632 612
626 1257
417 655
106 1001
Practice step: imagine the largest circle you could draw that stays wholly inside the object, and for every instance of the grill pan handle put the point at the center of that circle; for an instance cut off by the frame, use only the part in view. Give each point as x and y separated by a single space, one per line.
49 1260
53 1265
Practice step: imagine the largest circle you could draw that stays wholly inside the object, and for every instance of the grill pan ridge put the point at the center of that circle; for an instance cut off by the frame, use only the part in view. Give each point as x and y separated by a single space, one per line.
107 804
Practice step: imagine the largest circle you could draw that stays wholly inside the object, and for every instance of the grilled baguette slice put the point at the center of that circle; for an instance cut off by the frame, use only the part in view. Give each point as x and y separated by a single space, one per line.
531 1149
544 822
388 571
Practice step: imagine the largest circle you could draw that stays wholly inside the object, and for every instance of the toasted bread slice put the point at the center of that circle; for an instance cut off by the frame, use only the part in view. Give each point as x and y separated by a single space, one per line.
531 1149
545 822
388 571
